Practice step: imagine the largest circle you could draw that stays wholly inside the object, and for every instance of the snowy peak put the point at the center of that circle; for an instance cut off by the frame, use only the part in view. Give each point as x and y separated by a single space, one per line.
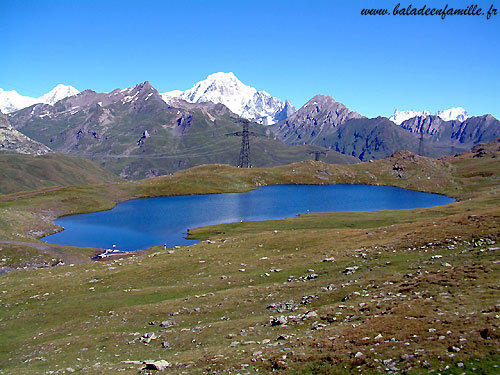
452 114
457 114
400 116
11 101
57 93
243 100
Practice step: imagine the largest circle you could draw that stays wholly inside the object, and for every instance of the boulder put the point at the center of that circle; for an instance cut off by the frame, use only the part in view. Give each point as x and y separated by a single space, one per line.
157 365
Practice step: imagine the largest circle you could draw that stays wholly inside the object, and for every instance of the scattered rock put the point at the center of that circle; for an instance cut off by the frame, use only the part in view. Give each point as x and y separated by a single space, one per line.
310 314
349 270
167 323
281 320
166 345
484 333
148 337
283 336
157 365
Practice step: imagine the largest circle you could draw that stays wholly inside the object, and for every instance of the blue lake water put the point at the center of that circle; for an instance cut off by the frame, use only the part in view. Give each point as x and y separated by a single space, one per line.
142 223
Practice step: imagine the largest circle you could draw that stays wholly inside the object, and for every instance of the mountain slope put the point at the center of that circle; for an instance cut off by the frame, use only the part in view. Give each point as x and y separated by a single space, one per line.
11 101
28 172
454 136
13 141
318 118
374 138
241 99
135 134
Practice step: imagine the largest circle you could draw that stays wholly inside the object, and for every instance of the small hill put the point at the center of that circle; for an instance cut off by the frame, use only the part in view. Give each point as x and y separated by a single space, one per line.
29 172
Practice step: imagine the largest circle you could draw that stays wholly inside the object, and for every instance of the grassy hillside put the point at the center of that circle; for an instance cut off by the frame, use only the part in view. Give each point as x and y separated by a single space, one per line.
413 291
27 172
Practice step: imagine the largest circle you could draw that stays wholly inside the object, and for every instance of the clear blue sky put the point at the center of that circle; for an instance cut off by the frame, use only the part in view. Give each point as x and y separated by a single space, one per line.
291 49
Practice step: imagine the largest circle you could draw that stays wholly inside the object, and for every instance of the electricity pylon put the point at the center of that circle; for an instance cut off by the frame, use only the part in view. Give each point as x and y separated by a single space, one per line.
244 161
317 154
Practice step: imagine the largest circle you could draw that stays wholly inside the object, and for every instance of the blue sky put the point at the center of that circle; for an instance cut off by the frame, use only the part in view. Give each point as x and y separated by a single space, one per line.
292 49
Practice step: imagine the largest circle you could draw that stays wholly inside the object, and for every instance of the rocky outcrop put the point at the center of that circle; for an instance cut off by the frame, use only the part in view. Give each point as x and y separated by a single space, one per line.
13 141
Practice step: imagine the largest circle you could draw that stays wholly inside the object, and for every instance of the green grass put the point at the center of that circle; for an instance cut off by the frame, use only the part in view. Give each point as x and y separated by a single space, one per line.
28 172
90 316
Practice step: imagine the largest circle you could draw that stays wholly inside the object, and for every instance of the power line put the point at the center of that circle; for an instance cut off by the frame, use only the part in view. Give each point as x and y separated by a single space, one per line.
244 160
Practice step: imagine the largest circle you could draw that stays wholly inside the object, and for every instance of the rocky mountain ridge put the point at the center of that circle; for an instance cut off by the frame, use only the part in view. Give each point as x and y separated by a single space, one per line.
327 123
135 133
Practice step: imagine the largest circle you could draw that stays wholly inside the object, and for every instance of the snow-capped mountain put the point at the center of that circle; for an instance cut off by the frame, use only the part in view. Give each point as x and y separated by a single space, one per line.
11 101
399 116
241 99
456 114
57 93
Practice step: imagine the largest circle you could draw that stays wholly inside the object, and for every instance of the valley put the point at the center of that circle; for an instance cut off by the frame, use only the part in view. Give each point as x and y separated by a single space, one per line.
385 291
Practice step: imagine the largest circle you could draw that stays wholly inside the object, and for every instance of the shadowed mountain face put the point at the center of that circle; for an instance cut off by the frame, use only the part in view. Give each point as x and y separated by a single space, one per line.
374 138
324 122
454 136
135 134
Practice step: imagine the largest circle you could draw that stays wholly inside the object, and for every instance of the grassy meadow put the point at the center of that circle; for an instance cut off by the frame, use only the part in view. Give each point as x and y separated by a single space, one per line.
411 291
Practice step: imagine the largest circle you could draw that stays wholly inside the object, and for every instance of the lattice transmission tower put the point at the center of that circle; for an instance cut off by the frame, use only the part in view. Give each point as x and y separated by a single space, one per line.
244 160
317 154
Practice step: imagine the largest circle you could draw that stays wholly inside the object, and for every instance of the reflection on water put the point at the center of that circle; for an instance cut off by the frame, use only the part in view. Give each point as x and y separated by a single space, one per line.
143 223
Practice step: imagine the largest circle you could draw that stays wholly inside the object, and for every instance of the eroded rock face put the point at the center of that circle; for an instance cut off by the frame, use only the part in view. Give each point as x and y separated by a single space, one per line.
13 141
322 114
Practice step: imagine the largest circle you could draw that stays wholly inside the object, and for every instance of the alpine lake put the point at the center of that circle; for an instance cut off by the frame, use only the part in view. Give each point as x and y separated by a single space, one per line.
143 223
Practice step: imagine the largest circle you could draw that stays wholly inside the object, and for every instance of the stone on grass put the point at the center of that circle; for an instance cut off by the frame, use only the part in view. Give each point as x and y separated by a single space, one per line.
148 337
281 320
157 365
310 314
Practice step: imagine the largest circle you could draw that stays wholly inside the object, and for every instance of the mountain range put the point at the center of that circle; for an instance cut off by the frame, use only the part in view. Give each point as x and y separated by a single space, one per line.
452 114
138 132
324 122
11 101
135 133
